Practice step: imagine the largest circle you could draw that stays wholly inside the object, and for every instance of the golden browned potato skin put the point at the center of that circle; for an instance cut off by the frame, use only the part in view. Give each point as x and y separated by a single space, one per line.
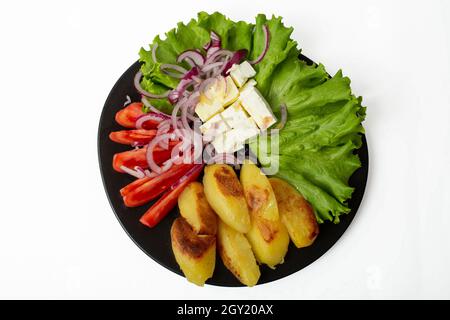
269 240
196 210
225 195
237 255
195 254
296 213
258 192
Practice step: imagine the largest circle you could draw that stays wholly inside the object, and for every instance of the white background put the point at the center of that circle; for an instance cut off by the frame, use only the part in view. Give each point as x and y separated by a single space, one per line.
58 62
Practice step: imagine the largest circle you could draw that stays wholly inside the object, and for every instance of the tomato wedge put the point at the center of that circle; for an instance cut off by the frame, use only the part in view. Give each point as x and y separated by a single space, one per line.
154 187
131 186
127 116
169 199
137 136
133 158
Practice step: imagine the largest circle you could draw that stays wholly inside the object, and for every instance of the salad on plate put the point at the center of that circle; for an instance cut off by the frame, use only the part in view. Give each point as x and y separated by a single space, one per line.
254 145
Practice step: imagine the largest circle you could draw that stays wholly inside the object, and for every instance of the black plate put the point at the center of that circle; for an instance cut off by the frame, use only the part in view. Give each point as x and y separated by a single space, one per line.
156 242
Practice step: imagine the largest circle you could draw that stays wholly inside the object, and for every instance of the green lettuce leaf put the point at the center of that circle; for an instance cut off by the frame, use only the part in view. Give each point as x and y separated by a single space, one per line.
316 146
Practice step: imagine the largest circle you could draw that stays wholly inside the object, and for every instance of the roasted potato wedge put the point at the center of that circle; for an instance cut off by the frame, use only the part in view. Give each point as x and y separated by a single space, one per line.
195 254
237 255
196 210
269 240
258 192
226 196
295 213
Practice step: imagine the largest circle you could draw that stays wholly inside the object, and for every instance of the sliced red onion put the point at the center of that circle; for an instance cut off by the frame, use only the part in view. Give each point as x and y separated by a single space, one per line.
191 172
137 85
190 104
211 66
283 112
191 73
180 71
219 54
237 57
139 169
197 79
128 101
266 45
175 118
150 116
155 46
174 95
193 55
151 163
134 173
215 39
211 51
152 108
207 45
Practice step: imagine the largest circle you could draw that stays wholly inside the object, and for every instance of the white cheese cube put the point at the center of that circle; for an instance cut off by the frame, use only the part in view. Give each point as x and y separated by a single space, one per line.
241 73
213 127
250 83
231 92
206 108
234 139
257 107
224 144
236 117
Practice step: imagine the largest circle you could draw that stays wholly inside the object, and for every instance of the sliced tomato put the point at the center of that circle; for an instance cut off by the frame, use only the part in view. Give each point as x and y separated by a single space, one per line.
131 186
133 158
127 116
137 136
169 200
155 187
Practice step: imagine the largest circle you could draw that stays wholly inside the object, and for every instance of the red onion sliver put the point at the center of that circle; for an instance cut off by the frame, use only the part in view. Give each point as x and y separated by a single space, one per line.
152 108
211 51
237 57
167 66
207 45
150 116
194 170
128 101
283 112
215 39
193 55
134 173
219 54
137 85
211 66
151 163
155 46
180 71
266 45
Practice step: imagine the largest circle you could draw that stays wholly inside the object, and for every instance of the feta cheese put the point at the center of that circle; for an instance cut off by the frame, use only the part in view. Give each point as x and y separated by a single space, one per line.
236 117
250 83
233 140
241 73
213 127
231 93
207 108
257 107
